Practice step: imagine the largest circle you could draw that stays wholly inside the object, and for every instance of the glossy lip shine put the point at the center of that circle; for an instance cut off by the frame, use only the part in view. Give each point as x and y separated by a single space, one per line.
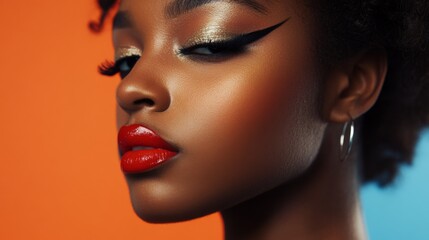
142 149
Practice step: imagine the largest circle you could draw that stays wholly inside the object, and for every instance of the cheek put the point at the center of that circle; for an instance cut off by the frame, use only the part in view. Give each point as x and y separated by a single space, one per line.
254 127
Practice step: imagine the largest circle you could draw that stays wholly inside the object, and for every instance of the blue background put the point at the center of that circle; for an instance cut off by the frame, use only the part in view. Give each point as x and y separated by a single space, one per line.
401 211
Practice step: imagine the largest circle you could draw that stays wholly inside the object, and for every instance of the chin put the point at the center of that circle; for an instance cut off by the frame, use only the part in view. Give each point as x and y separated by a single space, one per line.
164 210
164 215
163 203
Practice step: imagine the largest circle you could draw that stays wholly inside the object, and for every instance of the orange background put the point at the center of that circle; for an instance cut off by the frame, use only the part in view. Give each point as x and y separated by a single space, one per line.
59 174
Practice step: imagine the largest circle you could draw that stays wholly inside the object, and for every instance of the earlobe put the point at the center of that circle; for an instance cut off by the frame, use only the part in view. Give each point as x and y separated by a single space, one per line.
353 87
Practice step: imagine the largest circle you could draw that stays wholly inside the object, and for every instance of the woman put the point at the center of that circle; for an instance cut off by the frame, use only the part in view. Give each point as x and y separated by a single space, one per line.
271 112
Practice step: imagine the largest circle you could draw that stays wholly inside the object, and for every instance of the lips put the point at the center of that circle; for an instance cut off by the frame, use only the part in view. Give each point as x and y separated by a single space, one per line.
142 149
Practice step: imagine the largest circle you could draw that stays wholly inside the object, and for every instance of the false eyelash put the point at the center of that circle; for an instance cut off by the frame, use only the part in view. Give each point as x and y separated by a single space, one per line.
223 47
108 68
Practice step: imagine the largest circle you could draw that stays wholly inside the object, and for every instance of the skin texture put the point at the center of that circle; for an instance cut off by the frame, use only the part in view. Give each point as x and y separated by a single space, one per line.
257 131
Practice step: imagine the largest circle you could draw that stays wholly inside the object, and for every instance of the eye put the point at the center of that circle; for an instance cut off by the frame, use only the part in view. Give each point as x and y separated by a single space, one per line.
209 50
126 64
214 51
123 66
219 50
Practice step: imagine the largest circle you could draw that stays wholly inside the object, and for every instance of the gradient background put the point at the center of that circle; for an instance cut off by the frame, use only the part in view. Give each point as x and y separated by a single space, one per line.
60 176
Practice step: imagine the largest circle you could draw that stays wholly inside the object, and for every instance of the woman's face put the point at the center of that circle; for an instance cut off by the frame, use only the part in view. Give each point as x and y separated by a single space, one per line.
241 109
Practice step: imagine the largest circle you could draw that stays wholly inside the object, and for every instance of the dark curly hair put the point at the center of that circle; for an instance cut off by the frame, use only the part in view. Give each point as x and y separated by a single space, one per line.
105 6
390 130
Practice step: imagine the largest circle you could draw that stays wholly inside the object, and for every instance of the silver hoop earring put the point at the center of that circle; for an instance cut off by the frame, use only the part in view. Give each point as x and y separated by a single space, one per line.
346 147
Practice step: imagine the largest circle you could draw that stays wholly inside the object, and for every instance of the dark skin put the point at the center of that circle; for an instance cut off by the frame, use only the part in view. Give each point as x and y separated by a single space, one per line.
258 130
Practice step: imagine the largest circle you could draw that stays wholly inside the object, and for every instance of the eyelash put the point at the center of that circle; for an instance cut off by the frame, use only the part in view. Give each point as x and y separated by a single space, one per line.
219 50
110 68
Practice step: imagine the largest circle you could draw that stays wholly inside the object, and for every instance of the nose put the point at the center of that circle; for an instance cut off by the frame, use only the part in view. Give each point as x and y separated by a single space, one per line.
143 90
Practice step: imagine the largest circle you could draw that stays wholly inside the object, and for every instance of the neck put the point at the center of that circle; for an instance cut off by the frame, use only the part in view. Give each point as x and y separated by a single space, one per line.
321 204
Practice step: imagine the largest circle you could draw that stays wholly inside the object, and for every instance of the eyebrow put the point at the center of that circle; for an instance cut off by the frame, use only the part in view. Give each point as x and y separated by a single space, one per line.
178 7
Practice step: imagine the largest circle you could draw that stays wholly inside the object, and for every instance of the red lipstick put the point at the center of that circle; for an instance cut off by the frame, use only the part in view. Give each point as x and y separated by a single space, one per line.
142 149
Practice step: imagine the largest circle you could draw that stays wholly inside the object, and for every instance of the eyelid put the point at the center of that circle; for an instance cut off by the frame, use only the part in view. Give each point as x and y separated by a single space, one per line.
236 42
210 34
124 52
213 35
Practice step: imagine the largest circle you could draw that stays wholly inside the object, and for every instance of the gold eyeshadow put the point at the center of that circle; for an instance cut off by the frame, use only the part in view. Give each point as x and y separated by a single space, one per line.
209 34
124 52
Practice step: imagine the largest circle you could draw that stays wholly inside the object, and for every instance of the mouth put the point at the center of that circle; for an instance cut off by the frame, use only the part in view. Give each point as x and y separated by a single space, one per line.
138 148
142 149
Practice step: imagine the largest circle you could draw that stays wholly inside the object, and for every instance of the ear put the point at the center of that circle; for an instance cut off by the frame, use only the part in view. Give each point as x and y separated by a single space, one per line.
352 87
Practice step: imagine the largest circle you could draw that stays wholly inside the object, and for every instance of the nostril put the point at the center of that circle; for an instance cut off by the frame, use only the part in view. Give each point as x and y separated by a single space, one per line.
145 101
133 96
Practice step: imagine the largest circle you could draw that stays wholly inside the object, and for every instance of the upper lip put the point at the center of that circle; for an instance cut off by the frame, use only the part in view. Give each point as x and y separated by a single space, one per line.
138 136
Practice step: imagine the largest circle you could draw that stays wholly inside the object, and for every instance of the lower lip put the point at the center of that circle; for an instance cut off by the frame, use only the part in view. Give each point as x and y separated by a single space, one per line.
140 161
